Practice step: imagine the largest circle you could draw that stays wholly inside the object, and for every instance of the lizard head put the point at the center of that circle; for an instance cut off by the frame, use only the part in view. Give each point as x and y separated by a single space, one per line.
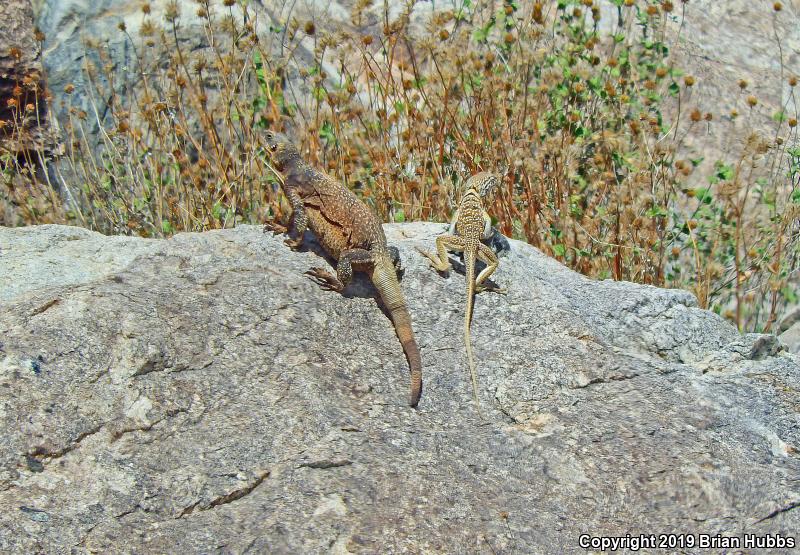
281 150
485 183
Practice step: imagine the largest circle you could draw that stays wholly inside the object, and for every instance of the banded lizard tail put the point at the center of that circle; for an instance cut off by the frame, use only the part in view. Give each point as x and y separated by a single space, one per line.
470 225
351 233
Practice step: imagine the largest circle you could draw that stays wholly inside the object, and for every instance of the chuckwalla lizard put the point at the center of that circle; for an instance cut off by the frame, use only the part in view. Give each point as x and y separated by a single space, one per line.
351 233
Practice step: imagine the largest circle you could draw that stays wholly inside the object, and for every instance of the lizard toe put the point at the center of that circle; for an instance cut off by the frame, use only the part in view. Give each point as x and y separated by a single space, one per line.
324 279
275 228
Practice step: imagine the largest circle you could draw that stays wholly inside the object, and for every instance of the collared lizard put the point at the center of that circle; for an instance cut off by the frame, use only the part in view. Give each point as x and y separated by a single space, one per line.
470 225
351 233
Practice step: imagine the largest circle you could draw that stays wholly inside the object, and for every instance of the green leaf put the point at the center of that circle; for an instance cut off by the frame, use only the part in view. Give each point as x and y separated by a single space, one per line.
559 250
327 134
703 195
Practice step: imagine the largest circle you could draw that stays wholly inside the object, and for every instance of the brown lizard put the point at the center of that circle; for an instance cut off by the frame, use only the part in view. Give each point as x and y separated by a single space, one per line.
351 233
471 223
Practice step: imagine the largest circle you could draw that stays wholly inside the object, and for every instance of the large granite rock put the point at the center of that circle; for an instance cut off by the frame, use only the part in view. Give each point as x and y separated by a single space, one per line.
199 394
789 329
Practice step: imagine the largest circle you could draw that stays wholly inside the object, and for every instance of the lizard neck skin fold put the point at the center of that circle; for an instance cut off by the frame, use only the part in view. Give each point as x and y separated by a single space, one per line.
297 171
384 277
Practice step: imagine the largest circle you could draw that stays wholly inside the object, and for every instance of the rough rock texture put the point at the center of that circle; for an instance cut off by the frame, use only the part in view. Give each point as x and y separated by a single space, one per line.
789 330
21 69
199 395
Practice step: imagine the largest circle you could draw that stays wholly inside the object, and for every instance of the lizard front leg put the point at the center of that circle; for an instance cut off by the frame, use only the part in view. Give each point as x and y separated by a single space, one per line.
298 223
488 257
444 243
344 270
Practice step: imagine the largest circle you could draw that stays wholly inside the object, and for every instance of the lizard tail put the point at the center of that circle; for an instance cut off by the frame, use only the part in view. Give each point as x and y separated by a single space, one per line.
469 261
384 278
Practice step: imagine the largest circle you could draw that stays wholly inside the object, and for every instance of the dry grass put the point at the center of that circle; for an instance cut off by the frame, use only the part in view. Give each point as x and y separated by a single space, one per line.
587 128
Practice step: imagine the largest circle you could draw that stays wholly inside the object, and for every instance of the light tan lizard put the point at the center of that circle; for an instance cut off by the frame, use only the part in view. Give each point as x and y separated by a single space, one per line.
470 225
351 233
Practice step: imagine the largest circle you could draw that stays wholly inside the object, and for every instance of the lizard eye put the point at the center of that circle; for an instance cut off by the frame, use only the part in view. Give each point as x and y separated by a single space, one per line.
273 147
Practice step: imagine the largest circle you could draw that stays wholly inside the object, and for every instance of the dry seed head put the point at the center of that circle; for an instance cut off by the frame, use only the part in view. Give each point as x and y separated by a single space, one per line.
309 28
228 3
172 11
121 26
30 81
792 122
689 81
793 81
537 13
630 3
661 72
743 84
777 6
145 9
708 116
444 34
667 6
695 115
752 101
38 35
652 10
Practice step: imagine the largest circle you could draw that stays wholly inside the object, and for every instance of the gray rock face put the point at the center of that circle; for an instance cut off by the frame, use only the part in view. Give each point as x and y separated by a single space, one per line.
789 329
199 394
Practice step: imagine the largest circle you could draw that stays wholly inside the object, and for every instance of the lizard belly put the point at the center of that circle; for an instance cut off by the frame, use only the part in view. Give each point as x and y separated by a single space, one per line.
328 234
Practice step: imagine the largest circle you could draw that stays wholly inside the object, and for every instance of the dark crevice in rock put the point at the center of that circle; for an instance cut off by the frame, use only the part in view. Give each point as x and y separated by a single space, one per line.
46 306
241 492
791 506
41 453
228 497
188 510
326 463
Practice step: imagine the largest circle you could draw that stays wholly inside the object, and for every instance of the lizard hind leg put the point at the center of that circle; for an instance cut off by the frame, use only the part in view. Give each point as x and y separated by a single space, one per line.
344 270
439 261
488 257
